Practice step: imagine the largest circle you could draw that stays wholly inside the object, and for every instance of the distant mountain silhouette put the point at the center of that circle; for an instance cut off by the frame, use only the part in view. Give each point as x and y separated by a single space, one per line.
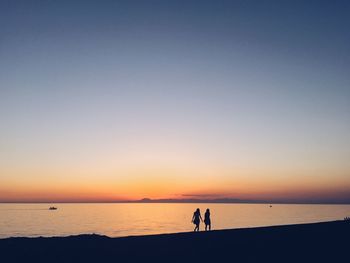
236 201
195 200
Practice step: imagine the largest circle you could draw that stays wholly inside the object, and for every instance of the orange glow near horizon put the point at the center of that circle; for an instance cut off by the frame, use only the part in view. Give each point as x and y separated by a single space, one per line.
177 171
171 184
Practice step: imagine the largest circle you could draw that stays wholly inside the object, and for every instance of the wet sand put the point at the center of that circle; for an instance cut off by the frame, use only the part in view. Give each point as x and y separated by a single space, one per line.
318 242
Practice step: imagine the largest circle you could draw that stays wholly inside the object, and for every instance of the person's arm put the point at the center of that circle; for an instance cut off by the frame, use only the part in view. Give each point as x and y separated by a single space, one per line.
200 217
192 218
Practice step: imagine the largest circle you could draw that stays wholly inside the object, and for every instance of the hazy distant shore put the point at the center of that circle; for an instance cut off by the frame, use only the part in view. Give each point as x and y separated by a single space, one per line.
317 242
190 201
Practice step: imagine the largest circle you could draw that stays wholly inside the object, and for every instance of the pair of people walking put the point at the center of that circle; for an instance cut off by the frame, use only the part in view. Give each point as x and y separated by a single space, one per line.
196 218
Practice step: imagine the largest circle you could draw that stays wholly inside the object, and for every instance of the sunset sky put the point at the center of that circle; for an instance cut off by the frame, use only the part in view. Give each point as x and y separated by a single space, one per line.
120 100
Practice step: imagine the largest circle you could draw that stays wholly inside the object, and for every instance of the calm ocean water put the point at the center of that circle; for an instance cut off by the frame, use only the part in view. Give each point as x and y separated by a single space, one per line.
142 219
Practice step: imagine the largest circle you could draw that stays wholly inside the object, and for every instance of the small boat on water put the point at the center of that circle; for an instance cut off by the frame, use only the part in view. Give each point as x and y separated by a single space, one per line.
52 208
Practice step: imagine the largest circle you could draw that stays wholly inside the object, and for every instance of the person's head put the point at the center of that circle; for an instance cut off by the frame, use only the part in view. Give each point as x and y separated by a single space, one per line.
197 210
208 211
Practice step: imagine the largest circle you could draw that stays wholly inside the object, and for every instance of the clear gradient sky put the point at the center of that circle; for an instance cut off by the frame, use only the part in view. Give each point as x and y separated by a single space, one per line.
115 100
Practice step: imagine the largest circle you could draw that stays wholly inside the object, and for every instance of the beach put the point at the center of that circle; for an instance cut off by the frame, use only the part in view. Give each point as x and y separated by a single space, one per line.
316 242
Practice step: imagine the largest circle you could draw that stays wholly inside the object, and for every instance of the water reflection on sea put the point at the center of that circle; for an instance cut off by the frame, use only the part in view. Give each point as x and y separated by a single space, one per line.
142 219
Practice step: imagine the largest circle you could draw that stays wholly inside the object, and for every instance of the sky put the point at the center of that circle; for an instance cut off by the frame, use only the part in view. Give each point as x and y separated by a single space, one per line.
121 100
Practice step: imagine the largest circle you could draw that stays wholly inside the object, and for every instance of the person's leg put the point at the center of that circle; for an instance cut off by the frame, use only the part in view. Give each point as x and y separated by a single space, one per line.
209 226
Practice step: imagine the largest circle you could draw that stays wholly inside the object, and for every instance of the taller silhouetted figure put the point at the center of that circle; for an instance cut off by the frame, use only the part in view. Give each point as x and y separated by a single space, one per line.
207 220
196 219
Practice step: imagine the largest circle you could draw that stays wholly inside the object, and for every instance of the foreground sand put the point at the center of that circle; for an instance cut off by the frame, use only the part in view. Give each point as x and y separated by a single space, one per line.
319 242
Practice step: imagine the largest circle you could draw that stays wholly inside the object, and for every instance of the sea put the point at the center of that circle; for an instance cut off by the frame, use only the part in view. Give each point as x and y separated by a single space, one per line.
130 219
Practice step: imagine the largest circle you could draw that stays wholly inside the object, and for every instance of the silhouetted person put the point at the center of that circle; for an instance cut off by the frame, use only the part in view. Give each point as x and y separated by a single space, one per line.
207 221
196 219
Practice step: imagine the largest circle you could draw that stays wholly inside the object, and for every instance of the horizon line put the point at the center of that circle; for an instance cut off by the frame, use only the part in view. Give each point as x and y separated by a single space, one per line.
188 201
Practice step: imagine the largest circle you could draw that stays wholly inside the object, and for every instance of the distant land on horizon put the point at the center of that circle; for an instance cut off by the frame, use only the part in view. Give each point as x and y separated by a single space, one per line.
239 201
194 200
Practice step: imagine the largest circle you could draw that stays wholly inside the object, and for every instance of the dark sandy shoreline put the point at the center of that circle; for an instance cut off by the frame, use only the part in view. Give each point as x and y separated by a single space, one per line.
317 242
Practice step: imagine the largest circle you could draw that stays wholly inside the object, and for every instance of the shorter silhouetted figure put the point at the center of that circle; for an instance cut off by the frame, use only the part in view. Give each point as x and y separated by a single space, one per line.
207 221
196 219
